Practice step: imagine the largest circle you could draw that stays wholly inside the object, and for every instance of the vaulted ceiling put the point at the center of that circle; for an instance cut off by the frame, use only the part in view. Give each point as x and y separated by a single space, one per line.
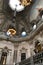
20 22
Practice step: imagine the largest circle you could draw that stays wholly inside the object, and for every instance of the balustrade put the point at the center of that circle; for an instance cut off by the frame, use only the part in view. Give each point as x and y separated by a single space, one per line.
34 60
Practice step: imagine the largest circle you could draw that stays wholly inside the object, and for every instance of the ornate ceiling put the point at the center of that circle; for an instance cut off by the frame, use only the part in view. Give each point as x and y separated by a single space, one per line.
19 5
19 23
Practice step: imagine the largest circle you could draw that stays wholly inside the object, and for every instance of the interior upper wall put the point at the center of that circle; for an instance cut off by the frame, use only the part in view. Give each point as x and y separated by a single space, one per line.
34 11
27 49
10 47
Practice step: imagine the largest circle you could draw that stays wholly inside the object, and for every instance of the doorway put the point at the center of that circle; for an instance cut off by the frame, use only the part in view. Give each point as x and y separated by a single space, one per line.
23 56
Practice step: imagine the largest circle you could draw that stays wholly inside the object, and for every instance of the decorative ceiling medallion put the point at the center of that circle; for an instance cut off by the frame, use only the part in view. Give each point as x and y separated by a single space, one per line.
26 2
12 31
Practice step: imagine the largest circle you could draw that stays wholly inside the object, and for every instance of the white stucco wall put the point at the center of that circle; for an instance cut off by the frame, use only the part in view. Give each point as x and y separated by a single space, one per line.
27 48
11 51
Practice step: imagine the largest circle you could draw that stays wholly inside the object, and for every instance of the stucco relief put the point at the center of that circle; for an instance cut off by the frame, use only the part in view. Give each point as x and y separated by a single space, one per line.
23 48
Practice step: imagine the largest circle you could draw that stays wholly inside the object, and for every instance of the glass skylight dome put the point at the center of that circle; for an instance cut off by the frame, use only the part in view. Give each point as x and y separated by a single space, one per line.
16 5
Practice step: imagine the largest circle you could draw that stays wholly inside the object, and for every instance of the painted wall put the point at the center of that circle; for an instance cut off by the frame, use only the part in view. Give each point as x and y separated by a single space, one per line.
34 10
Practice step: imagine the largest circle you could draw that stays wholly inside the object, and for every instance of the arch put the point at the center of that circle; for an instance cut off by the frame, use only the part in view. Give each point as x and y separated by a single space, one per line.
23 50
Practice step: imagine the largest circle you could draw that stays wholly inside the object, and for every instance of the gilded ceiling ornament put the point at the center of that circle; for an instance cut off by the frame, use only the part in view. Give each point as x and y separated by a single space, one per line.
26 2
12 31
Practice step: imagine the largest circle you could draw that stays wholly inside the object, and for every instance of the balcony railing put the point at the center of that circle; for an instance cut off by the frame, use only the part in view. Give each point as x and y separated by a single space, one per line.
34 60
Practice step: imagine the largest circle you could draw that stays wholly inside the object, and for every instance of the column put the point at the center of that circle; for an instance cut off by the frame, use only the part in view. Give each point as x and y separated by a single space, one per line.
15 56
8 58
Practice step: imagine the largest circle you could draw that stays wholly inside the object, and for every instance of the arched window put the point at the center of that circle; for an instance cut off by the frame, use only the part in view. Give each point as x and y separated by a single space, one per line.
23 54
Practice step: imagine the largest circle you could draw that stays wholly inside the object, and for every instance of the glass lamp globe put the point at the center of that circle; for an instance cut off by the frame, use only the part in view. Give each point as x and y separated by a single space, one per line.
8 33
23 33
34 27
42 16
